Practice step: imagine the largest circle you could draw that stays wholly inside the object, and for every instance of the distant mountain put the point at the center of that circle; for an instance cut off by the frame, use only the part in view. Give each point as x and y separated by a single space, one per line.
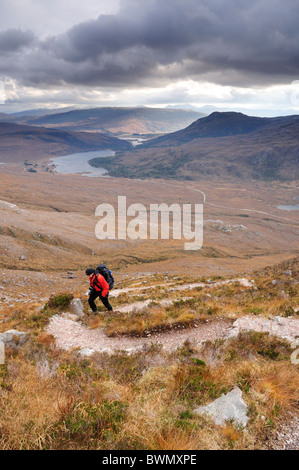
223 145
209 109
186 106
7 118
42 111
120 121
18 143
215 125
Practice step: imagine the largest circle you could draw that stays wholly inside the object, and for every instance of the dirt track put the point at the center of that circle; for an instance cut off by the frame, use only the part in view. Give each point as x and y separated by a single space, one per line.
69 334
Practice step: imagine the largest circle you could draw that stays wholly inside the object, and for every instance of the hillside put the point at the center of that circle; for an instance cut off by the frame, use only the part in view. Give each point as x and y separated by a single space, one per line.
219 125
18 142
120 120
7 117
178 337
226 145
137 378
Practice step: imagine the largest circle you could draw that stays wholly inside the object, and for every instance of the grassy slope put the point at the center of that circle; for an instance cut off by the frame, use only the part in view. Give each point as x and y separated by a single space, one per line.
147 400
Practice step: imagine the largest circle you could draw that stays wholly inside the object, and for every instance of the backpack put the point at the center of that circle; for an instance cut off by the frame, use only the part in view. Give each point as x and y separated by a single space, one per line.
102 269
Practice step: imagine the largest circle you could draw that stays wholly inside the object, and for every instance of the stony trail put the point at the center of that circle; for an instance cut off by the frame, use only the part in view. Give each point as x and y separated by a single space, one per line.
286 328
69 333
242 281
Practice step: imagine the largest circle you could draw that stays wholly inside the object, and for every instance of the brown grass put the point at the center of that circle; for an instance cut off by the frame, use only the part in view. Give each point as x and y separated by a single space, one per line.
144 401
45 338
173 439
280 387
50 399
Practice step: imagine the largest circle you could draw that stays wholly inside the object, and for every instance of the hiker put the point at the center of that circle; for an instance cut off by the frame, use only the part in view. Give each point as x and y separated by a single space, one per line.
99 287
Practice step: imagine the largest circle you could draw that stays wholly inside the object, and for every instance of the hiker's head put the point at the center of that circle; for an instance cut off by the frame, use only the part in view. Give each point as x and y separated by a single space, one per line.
89 271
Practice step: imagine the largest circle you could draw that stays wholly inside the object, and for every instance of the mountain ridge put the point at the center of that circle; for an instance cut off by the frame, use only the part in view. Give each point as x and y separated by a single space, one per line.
219 124
119 120
18 142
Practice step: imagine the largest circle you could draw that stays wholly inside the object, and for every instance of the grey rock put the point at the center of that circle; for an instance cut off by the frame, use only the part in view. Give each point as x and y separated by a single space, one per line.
14 338
76 308
86 352
10 207
23 258
228 407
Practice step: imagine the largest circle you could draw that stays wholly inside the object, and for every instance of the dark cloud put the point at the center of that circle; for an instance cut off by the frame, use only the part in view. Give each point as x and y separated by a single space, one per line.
151 43
14 40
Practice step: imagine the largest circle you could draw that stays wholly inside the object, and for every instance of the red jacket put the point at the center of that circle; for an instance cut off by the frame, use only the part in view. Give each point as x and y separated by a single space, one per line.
99 283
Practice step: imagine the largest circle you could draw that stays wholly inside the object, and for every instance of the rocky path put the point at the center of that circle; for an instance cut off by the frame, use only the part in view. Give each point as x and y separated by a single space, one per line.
69 333
287 436
242 281
286 328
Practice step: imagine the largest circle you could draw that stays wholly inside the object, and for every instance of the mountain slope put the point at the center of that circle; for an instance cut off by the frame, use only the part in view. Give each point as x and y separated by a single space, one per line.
271 151
219 125
7 118
18 142
120 120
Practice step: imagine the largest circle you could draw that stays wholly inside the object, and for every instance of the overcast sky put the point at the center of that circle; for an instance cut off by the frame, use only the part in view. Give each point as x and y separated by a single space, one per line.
237 54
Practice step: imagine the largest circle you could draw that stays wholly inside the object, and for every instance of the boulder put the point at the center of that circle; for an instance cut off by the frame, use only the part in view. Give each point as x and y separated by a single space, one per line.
10 207
76 308
228 407
13 338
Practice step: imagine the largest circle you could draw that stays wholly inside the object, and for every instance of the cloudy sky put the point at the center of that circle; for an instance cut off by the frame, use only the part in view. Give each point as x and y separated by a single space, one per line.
236 54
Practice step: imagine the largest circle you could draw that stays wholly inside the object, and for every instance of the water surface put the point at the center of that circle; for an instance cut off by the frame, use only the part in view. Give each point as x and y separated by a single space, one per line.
78 163
294 207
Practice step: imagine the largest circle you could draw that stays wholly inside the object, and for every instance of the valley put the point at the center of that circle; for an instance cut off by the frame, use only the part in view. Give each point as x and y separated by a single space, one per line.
54 223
